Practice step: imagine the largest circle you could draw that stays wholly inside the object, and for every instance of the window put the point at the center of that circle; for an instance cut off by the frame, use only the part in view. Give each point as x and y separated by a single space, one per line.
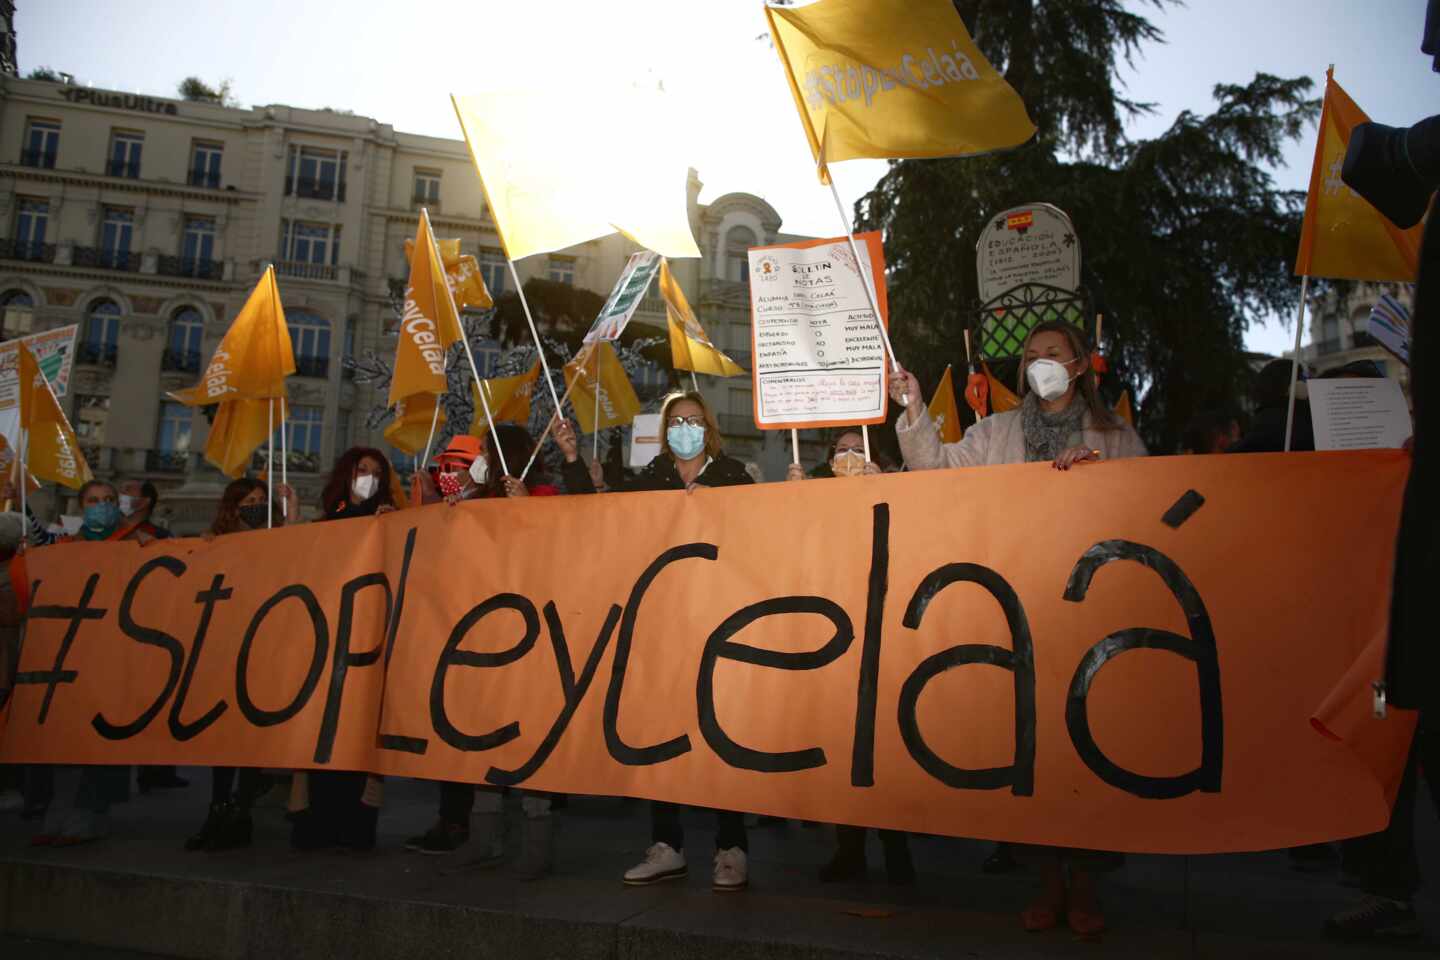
1330 335
562 270
316 174
31 218
310 338
173 433
17 314
91 412
205 164
738 241
492 271
199 247
303 436
115 235
42 140
182 347
125 154
102 332
317 243
427 188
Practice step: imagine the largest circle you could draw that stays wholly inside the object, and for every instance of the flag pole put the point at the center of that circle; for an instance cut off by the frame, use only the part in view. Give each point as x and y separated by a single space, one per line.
20 456
694 384
465 342
865 435
795 446
865 278
1295 363
270 464
435 415
554 419
539 347
595 455
284 464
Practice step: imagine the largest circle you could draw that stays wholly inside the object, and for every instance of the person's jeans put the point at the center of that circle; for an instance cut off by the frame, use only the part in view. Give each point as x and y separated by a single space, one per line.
665 827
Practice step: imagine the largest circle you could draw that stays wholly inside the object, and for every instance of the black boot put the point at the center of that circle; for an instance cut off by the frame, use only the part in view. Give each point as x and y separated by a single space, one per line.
848 864
214 823
899 868
234 832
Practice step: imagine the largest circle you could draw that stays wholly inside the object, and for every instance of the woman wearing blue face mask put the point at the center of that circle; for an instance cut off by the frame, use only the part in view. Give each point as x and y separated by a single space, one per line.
690 457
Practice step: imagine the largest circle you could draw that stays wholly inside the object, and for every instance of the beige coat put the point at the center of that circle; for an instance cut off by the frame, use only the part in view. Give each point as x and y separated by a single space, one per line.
997 439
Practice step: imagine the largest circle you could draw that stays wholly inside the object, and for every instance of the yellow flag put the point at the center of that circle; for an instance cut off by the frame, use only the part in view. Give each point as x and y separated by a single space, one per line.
255 356
52 452
618 403
462 272
410 429
690 348
1343 235
893 79
509 399
543 198
1002 398
944 410
428 326
1123 410
241 426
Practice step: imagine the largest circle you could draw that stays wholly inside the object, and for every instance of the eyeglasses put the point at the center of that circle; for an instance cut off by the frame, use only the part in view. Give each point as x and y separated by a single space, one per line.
695 421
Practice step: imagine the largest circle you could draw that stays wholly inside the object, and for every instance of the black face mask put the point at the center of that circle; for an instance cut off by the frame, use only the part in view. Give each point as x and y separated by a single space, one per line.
253 515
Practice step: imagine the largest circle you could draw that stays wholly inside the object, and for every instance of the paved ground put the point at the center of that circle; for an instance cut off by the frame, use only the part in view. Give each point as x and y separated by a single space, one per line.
139 891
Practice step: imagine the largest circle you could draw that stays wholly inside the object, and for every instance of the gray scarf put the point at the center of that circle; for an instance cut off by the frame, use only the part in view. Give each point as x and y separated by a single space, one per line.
1047 435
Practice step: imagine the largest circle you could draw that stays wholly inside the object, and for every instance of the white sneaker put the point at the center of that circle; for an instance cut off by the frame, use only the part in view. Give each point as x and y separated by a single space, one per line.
730 871
662 862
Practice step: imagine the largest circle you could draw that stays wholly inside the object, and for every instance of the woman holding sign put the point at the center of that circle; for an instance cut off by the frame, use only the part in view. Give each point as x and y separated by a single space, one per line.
1061 419
690 457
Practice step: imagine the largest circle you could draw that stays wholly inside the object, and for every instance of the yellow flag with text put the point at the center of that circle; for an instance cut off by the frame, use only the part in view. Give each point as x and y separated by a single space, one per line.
893 79
410 429
1002 398
945 411
241 426
1343 235
690 347
429 323
509 399
52 452
462 272
618 402
255 356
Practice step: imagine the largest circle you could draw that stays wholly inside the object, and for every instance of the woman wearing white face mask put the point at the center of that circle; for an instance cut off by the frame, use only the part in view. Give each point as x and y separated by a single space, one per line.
1061 418
847 459
361 485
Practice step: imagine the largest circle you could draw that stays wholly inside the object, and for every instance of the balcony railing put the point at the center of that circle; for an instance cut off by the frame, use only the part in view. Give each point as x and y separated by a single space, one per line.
300 461
1327 347
199 178
312 367
199 268
312 189
301 270
12 249
180 361
97 354
425 200
44 159
166 461
107 259
119 168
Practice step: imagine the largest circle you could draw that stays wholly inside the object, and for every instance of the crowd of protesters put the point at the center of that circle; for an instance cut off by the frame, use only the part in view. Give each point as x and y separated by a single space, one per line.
1062 419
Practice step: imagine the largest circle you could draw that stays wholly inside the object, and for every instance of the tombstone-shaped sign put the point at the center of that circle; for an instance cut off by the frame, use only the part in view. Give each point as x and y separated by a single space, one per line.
1033 243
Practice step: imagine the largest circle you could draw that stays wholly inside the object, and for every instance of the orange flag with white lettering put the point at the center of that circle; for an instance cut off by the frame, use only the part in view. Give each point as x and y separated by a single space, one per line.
428 326
52 452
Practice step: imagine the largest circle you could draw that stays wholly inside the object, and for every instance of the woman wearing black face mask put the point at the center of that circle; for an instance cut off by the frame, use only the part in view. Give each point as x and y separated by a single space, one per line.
243 506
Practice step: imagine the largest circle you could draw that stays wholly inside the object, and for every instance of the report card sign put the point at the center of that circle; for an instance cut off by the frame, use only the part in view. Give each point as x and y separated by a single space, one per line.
819 357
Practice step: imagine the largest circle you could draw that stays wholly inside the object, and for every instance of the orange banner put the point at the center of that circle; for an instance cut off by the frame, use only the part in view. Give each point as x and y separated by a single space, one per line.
1127 655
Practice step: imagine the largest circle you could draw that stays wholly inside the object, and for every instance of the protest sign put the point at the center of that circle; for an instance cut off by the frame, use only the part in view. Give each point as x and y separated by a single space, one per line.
819 359
1389 326
1033 243
634 280
644 439
1358 413
54 350
1142 677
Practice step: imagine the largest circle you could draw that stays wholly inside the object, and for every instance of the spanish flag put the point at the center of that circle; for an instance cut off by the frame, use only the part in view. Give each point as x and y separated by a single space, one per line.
618 402
52 452
892 79
508 397
1343 235
690 347
945 411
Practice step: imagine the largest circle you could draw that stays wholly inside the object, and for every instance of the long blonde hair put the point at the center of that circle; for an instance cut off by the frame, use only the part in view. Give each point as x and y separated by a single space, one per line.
712 429
1102 417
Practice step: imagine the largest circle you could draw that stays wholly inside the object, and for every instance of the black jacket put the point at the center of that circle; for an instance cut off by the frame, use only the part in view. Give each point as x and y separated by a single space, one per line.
660 474
1267 431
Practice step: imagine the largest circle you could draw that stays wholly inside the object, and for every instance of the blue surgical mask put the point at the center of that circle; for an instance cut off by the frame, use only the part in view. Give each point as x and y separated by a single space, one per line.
101 519
686 440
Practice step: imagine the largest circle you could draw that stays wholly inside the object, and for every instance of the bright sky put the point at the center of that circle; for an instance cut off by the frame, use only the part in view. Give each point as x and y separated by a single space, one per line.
732 116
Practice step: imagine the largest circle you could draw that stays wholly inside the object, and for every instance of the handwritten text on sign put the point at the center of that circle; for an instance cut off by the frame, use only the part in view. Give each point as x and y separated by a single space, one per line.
880 650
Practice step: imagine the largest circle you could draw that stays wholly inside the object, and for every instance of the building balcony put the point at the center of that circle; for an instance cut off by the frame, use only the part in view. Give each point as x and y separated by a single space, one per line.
130 171
422 200
31 250
724 291
43 159
312 367
96 354
166 461
300 270
298 461
309 189
180 361
106 259
1326 347
208 181
198 268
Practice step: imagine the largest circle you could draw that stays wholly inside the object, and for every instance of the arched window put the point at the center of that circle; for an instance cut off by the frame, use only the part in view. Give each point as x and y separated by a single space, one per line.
310 338
17 314
182 343
738 241
102 333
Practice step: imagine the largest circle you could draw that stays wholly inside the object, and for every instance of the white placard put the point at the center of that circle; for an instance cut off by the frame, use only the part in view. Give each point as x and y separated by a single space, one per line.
1035 243
644 439
1358 413
818 357
634 280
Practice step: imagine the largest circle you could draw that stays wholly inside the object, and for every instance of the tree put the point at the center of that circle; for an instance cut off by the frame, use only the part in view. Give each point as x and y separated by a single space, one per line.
1184 237
44 73
198 91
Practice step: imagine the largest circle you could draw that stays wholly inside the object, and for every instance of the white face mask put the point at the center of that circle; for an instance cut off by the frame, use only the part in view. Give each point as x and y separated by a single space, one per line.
128 504
479 470
364 486
1048 377
848 463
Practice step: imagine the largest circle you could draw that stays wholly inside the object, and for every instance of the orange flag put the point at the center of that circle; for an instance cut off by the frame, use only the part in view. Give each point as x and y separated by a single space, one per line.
509 399
1123 409
690 346
462 273
1343 235
414 416
52 452
1002 398
241 426
429 325
618 402
255 356
944 410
